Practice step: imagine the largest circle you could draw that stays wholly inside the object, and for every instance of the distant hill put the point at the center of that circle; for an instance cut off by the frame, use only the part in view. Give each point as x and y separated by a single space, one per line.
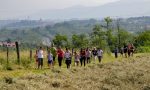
122 8
35 31
24 23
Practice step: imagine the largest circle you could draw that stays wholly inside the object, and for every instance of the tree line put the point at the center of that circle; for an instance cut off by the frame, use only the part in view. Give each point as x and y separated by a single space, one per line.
106 37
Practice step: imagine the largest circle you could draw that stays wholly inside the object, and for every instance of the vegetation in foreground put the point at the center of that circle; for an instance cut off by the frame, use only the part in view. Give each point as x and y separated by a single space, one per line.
122 74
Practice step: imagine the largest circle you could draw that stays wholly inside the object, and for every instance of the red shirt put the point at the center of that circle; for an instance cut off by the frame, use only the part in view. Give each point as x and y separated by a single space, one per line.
60 53
83 53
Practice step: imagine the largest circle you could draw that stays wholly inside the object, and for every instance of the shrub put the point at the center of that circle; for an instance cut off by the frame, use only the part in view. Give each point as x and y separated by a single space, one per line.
143 49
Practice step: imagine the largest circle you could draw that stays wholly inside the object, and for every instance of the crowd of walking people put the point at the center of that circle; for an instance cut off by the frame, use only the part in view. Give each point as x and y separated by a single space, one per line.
83 56
126 50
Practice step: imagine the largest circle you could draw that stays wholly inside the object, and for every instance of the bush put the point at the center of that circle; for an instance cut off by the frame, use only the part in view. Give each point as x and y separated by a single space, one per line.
143 49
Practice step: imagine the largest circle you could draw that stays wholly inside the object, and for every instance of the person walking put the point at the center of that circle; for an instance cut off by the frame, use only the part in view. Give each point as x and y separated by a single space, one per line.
50 59
129 49
40 57
88 55
82 56
132 49
116 52
67 56
121 51
60 54
94 52
54 53
99 54
76 58
125 50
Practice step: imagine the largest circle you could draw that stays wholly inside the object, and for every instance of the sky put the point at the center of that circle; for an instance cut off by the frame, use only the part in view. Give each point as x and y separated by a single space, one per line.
10 9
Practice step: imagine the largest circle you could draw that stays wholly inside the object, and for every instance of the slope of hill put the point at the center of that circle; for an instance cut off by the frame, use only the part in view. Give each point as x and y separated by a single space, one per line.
19 24
35 31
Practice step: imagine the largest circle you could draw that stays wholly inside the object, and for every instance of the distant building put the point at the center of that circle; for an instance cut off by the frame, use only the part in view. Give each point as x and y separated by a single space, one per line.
12 44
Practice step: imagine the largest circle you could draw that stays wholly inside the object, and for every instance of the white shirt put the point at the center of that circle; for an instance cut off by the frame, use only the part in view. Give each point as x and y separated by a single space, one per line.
67 55
99 52
77 57
88 54
40 54
50 57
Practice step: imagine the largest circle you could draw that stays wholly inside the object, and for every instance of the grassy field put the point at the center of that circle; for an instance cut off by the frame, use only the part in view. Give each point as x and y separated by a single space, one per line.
113 74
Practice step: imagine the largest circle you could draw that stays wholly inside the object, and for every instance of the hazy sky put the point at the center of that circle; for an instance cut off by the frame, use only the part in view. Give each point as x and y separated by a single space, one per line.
13 8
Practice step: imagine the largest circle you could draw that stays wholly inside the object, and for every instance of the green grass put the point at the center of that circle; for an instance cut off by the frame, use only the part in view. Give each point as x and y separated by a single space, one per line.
29 66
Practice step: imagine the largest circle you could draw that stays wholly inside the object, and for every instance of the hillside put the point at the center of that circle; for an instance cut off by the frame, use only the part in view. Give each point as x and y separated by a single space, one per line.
34 31
120 8
19 24
125 74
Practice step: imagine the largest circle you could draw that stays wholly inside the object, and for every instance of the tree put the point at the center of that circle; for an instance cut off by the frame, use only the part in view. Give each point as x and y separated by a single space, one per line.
79 41
118 29
108 20
143 39
97 36
125 37
60 40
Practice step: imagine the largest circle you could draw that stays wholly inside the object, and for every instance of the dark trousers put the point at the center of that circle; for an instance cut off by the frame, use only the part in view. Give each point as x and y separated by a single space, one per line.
82 60
40 62
60 61
99 58
53 58
129 53
88 59
68 62
116 55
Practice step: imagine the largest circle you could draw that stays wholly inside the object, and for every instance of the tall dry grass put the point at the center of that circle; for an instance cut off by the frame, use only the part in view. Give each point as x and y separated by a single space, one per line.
121 74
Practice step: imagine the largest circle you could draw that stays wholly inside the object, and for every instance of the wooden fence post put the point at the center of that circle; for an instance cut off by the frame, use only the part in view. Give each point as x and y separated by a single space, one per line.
7 54
30 54
47 48
18 53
